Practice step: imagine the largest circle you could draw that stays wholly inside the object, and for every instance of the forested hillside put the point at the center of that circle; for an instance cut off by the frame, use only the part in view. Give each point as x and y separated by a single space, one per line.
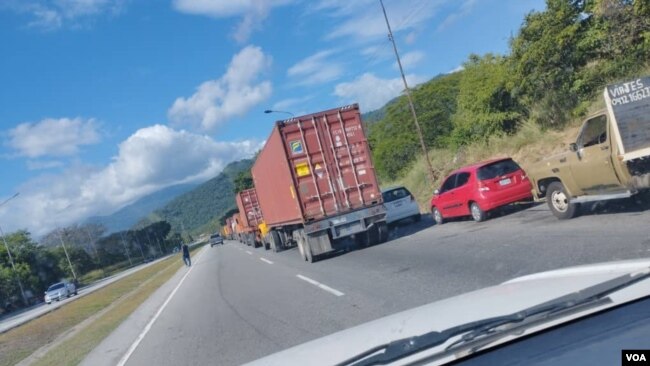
204 205
559 61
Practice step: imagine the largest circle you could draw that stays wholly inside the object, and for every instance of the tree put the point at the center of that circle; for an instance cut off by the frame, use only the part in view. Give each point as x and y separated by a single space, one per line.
544 58
485 102
393 139
243 181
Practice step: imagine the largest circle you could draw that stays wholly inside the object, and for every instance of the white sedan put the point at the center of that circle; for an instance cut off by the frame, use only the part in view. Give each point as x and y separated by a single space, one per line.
400 204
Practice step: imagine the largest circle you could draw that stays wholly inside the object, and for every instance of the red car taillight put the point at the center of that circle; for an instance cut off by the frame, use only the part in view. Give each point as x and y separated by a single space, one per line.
482 187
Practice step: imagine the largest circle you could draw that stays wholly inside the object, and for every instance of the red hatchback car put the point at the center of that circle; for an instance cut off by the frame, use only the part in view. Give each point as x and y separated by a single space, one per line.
476 189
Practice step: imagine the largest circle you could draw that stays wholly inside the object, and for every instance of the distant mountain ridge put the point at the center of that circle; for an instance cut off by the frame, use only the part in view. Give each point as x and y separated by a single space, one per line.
199 210
129 215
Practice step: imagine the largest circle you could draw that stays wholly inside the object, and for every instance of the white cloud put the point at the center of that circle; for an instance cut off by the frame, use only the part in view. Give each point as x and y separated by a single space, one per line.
363 19
410 38
456 69
43 164
152 158
53 137
410 59
285 104
232 95
465 8
372 92
253 12
316 69
54 14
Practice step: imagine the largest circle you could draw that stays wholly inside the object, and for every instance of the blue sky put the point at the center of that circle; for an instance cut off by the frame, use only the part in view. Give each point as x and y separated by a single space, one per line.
104 101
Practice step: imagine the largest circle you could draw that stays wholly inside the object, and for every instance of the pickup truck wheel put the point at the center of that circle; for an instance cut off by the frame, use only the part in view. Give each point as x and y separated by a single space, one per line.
437 216
477 214
558 202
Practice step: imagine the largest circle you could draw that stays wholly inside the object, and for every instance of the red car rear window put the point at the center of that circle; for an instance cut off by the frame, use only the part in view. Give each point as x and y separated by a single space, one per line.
497 169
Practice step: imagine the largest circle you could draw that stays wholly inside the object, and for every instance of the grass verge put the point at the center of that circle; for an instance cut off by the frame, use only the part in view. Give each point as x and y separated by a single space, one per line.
17 344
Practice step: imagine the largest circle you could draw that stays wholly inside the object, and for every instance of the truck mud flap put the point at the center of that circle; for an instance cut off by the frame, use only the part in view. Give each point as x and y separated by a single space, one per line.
319 243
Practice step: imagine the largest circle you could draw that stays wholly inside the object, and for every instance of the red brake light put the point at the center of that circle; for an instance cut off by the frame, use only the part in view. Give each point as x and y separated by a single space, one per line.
482 187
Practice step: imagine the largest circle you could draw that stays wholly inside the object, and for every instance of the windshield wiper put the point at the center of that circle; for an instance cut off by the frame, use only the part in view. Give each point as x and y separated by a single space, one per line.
472 331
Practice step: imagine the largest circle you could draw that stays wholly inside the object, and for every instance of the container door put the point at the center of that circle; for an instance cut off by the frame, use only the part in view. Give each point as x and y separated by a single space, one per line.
349 158
314 185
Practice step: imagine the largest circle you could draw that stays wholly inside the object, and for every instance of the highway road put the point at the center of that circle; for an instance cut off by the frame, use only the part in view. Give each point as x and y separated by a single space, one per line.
237 304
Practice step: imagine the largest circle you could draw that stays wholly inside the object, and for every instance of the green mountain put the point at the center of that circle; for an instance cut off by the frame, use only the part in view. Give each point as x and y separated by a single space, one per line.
199 210
129 215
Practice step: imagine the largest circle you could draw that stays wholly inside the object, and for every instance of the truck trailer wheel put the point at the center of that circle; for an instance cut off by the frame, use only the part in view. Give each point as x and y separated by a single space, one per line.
276 243
382 229
300 240
558 202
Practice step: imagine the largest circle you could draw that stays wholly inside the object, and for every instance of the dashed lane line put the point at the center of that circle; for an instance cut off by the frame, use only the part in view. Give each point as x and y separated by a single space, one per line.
321 286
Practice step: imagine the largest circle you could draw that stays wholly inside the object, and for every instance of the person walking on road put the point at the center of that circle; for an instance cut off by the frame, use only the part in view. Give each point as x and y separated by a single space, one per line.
186 255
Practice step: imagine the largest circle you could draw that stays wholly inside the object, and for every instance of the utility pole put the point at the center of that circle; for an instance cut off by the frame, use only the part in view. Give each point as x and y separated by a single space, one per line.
410 99
11 259
74 275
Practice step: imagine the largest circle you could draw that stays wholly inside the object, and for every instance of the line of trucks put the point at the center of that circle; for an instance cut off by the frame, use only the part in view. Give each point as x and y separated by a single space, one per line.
315 184
314 187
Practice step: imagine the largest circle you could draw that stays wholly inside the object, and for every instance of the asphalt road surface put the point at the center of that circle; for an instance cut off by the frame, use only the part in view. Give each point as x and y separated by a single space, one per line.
237 304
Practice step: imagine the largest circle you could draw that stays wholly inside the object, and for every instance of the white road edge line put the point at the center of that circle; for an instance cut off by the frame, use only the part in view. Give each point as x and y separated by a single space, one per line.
249 252
320 285
146 329
265 260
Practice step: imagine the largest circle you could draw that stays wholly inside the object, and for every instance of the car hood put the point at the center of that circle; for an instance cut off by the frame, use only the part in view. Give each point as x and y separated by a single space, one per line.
508 297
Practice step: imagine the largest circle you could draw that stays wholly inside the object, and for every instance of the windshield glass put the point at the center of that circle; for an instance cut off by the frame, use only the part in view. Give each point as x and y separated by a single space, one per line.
56 287
218 181
395 194
497 169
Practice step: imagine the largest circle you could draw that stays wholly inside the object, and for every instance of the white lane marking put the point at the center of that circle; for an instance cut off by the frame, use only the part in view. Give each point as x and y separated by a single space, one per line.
265 260
318 284
249 252
146 329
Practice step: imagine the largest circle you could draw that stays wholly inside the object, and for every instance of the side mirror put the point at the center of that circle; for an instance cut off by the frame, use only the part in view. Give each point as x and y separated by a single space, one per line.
573 147
436 192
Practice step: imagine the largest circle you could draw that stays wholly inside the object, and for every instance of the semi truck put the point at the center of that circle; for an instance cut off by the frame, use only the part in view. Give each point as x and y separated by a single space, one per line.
610 158
237 230
316 184
250 216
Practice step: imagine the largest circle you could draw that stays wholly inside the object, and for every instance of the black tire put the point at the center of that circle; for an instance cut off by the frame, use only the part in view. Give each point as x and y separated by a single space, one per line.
382 230
559 202
300 241
437 216
310 257
276 242
477 213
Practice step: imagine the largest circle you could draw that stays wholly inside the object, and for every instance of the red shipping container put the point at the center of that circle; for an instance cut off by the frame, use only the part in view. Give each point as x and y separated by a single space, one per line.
249 209
315 166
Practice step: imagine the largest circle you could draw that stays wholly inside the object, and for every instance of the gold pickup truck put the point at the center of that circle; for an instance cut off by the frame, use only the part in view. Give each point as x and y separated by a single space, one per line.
610 158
